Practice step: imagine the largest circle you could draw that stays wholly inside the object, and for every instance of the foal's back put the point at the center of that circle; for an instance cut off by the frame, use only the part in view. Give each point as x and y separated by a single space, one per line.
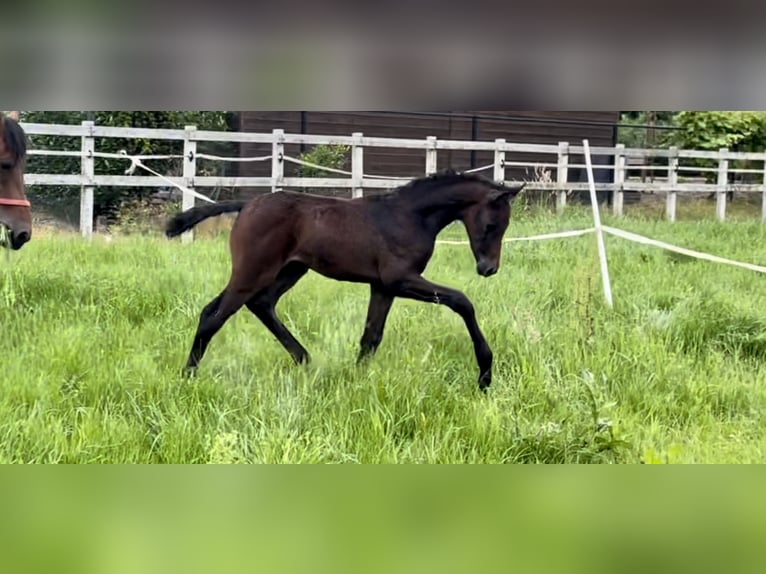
303 215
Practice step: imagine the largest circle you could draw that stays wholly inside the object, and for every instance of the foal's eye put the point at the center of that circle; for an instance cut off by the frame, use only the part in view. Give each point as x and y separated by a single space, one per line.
6 166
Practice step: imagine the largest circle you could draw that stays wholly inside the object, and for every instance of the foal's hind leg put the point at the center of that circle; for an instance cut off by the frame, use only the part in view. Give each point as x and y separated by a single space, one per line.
212 318
241 288
263 306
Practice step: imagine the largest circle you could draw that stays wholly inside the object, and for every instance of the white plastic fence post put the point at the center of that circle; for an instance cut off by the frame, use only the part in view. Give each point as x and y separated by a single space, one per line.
499 170
431 158
277 160
597 225
672 197
720 197
88 170
357 166
562 175
189 171
618 201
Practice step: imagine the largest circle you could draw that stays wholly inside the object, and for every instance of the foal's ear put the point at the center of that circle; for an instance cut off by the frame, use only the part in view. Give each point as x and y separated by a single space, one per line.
507 194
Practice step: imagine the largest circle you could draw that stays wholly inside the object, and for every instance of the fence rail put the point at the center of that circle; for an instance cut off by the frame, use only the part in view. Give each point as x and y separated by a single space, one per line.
667 168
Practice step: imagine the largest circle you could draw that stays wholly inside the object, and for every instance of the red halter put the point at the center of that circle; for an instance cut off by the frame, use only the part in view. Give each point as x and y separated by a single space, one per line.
16 202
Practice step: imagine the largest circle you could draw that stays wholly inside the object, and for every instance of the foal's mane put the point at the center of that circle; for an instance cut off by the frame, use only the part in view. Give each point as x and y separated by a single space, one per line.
14 138
423 185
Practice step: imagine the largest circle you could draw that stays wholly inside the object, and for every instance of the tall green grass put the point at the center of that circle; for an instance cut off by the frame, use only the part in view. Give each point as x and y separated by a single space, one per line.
95 335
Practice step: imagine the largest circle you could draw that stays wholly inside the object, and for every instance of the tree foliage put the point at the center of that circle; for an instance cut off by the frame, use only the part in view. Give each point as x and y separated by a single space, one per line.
742 131
638 136
109 200
333 156
737 130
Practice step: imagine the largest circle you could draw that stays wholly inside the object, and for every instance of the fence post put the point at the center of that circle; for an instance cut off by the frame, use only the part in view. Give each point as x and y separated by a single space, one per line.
672 197
189 171
357 166
720 197
499 171
88 170
277 160
618 201
562 175
431 158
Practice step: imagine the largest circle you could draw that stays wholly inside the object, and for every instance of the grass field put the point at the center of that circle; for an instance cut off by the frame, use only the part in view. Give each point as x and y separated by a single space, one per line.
94 336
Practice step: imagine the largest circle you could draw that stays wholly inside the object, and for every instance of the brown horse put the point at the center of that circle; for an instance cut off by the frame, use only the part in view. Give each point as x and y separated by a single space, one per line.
15 212
385 241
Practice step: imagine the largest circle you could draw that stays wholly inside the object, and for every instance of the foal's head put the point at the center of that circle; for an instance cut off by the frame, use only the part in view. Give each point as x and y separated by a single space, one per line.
486 221
15 213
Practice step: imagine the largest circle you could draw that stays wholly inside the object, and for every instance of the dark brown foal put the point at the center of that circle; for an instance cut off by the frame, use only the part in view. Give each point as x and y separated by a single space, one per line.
385 241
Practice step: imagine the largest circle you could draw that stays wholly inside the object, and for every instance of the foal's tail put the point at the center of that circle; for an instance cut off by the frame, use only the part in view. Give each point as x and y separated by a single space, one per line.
185 220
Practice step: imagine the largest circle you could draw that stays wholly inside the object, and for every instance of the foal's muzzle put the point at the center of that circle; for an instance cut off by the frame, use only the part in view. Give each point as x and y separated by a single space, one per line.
485 268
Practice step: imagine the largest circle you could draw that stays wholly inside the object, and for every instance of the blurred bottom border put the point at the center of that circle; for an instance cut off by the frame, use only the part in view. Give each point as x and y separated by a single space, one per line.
380 518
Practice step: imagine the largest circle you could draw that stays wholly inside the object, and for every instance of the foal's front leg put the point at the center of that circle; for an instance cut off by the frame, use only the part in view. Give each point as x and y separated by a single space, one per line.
377 312
420 289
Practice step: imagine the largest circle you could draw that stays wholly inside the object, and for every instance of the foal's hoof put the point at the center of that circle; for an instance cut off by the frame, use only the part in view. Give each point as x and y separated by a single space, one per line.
484 381
188 372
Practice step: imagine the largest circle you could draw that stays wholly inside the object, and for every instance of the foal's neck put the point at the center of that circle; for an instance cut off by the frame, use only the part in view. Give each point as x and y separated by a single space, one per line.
441 207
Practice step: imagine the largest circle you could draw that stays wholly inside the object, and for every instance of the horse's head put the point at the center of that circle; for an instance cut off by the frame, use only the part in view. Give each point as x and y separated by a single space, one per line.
486 222
15 212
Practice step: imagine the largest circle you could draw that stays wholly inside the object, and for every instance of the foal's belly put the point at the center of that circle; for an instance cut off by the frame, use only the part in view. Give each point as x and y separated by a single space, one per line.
340 261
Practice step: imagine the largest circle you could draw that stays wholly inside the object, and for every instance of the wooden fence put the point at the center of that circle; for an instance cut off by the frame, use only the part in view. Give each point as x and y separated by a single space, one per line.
667 166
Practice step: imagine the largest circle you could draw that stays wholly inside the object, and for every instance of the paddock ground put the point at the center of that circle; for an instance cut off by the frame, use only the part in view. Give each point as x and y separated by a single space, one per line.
95 336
